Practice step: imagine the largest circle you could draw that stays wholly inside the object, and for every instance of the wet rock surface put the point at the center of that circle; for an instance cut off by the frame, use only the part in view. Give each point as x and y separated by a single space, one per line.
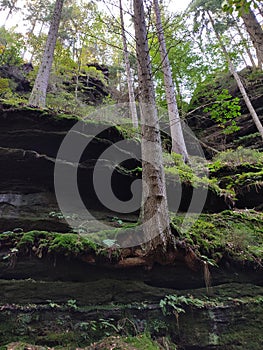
60 313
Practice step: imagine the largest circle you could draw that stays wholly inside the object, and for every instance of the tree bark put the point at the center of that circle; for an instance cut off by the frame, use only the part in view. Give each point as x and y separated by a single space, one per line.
238 80
38 94
156 225
133 109
178 143
255 32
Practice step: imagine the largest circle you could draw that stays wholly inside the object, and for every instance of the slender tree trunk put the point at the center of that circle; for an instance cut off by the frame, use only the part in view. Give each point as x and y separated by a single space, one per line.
28 35
78 57
128 72
178 143
238 80
38 94
244 41
241 54
255 32
39 33
260 61
155 209
7 17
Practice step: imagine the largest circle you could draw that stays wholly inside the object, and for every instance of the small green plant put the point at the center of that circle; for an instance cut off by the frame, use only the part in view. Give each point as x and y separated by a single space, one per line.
11 257
224 111
72 303
174 305
54 214
53 305
171 304
117 220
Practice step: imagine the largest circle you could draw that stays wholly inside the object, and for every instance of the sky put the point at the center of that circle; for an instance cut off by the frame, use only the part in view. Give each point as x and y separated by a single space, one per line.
178 5
174 6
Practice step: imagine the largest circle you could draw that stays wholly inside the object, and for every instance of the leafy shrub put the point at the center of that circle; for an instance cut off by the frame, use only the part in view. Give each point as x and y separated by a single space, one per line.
5 91
11 44
224 110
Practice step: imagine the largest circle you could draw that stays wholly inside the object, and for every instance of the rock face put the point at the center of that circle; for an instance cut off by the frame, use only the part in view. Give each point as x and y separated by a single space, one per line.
18 75
60 290
30 141
28 149
75 314
92 83
92 87
208 131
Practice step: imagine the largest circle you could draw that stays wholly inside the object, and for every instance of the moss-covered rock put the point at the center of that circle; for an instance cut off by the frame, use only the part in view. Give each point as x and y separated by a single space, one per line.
219 321
235 235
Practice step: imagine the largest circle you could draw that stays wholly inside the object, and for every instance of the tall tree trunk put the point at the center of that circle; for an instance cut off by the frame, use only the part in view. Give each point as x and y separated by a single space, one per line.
178 143
238 80
29 35
7 17
11 5
39 33
255 32
155 209
241 54
244 41
128 72
38 94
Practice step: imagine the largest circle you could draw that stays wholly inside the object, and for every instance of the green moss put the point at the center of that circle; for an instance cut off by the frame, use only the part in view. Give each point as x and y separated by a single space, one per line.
128 131
5 89
29 238
115 233
196 174
54 243
58 338
70 244
237 233
249 179
236 170
143 342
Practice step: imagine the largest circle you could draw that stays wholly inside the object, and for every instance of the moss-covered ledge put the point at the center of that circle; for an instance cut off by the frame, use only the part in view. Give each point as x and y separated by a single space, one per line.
208 240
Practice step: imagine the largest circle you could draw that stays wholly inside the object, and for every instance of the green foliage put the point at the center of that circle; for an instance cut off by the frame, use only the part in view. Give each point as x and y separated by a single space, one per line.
239 156
93 72
238 5
11 44
225 109
66 102
170 305
238 170
187 63
176 304
191 173
195 174
72 303
127 130
5 91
